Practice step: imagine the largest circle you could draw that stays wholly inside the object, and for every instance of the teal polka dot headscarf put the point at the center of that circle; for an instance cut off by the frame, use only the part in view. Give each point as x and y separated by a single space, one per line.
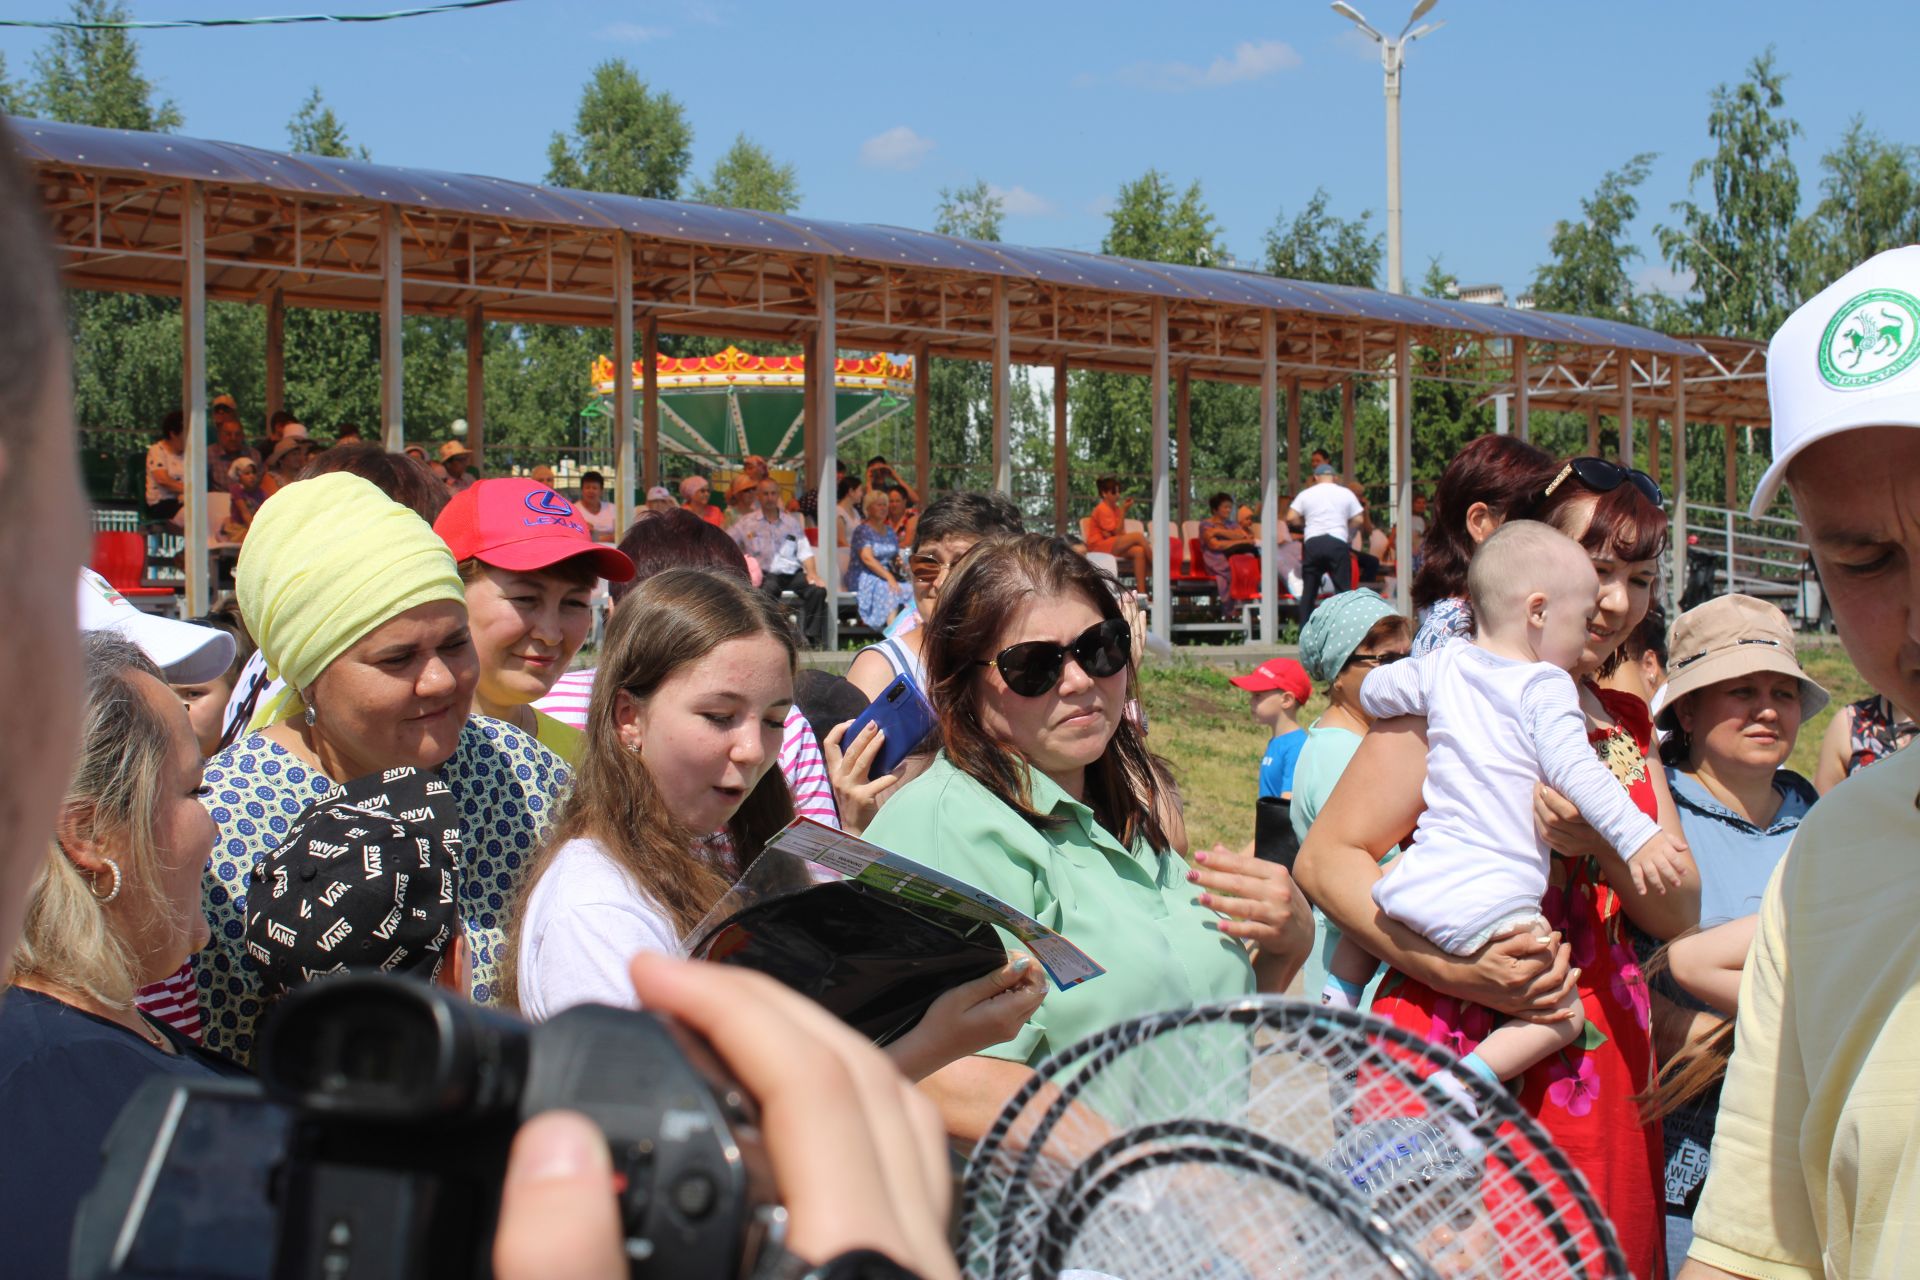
1338 625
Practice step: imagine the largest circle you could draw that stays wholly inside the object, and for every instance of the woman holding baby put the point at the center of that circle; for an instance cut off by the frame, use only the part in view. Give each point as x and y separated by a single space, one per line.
1583 1094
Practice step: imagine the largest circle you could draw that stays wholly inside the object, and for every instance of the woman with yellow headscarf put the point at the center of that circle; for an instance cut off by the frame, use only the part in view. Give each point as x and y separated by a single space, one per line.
357 605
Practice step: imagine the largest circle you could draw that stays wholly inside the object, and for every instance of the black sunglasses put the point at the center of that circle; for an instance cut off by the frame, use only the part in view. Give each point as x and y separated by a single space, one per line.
1376 659
1602 476
1035 666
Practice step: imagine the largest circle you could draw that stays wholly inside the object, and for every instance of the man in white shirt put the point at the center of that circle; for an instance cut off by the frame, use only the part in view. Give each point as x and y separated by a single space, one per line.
1330 513
778 540
596 513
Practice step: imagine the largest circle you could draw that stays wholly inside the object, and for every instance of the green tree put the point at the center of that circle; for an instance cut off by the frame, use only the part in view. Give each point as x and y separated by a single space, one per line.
1738 244
959 392
316 131
1152 222
1870 202
626 140
14 100
92 76
1590 272
1318 246
748 177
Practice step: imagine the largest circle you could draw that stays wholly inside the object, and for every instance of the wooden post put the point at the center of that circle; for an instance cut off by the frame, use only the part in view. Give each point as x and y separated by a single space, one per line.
1402 477
1183 441
1626 408
276 352
649 357
193 373
1522 427
922 425
821 382
1679 584
1157 539
1002 362
393 430
1349 447
623 468
1062 484
1733 465
477 383
1295 481
1593 431
1271 503
810 428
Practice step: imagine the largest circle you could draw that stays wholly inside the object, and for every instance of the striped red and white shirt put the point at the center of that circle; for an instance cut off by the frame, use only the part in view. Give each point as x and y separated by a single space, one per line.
175 1001
800 760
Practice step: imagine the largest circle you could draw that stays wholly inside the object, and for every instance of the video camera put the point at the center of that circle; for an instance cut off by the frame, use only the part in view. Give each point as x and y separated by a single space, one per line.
374 1144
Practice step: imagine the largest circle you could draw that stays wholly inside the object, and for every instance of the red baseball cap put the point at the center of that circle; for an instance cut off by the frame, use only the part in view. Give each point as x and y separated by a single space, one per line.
1278 673
523 525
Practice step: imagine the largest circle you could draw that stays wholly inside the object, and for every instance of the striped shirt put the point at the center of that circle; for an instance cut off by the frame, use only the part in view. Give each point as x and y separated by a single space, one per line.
800 760
174 1001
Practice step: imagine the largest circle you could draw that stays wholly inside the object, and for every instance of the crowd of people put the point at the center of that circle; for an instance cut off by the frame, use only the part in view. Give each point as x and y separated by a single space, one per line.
1530 826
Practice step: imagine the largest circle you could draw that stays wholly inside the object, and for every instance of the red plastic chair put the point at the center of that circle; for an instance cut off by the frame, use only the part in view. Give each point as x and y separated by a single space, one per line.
1179 567
1196 558
120 557
1243 578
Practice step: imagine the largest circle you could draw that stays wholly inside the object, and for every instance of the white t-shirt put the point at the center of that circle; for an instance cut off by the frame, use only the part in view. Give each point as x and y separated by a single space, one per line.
584 920
1495 727
601 526
1326 509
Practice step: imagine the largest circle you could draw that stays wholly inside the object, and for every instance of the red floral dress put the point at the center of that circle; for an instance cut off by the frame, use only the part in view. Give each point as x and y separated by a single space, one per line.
1584 1095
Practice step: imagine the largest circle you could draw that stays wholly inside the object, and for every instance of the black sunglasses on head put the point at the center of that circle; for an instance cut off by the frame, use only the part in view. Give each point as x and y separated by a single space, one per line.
1033 667
1602 476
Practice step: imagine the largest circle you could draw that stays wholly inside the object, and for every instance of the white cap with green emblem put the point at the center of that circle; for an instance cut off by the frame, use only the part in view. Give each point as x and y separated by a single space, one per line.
1848 358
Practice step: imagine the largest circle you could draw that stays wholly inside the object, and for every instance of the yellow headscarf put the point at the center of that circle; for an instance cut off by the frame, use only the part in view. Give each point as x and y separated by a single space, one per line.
326 561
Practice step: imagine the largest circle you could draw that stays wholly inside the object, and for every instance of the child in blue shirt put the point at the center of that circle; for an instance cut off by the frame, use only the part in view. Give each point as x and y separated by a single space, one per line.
1280 688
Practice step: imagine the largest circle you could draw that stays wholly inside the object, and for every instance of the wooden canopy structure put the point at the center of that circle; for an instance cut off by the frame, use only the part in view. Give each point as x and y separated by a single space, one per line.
200 220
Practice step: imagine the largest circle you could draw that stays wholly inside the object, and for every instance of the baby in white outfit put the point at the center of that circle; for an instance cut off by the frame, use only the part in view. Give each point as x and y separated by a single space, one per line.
1502 715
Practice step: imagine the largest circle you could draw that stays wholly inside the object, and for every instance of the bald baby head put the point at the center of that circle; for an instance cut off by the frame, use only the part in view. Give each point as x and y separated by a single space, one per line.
1523 559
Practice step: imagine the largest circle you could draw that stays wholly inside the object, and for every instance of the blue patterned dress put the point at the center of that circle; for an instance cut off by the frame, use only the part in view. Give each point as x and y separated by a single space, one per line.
878 601
507 785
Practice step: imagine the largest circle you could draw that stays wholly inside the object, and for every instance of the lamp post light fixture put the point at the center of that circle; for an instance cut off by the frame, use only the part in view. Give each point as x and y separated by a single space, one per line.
1392 57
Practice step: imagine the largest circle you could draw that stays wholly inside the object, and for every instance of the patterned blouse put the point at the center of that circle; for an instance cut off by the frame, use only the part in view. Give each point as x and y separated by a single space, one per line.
507 784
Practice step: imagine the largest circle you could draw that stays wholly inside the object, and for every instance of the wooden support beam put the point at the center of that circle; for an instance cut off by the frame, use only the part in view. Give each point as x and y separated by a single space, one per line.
1183 441
1679 540
477 384
1626 409
922 424
1271 503
820 380
623 467
392 428
1162 571
649 356
193 374
1732 465
1522 426
1002 368
276 354
1402 474
1062 483
1294 479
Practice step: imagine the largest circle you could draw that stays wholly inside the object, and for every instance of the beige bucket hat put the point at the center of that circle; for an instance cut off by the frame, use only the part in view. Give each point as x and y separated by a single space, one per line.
1730 637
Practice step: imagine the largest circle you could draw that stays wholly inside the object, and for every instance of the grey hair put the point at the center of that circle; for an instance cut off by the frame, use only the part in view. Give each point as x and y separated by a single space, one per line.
69 939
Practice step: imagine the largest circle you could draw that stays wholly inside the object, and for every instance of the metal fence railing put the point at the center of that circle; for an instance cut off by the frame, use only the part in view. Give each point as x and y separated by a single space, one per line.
1764 557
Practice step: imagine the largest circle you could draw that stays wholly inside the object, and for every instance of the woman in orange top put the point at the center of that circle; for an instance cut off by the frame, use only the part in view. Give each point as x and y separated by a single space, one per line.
1110 534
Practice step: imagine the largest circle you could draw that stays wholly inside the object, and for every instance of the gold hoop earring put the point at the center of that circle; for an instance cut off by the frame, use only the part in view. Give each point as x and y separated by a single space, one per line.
112 893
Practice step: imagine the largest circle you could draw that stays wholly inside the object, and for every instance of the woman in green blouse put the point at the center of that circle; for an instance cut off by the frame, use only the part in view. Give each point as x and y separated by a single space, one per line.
1045 795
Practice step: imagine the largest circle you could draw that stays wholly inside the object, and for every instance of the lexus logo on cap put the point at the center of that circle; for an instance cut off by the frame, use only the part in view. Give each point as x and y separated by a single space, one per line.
546 502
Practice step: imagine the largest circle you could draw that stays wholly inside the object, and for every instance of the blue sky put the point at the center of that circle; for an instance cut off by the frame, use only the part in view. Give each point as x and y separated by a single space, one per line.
1512 111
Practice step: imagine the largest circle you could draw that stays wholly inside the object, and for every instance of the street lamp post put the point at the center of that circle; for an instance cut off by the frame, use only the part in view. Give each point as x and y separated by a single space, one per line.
1399 434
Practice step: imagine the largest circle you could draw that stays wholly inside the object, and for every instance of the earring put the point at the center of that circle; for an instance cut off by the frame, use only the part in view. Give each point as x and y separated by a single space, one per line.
312 715
112 893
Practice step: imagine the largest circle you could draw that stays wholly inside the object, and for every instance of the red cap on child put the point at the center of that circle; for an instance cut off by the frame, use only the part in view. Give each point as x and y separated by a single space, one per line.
1278 673
522 525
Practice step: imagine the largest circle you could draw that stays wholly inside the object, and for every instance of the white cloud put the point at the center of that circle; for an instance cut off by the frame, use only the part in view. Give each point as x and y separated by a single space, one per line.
1250 60
630 33
1020 202
898 148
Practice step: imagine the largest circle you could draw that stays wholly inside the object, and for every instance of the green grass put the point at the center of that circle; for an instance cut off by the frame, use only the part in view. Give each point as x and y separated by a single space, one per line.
1202 725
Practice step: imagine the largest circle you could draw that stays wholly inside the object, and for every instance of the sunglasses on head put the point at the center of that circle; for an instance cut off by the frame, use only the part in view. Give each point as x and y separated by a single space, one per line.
1602 476
1034 667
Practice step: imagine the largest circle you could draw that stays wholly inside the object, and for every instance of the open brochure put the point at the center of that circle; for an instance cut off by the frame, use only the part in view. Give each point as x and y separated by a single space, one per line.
874 936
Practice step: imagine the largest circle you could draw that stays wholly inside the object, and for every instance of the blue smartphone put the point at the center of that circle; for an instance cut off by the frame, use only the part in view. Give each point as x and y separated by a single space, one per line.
904 715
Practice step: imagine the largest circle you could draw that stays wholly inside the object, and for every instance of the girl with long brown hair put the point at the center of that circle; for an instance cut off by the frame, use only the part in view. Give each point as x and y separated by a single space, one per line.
1044 794
675 796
